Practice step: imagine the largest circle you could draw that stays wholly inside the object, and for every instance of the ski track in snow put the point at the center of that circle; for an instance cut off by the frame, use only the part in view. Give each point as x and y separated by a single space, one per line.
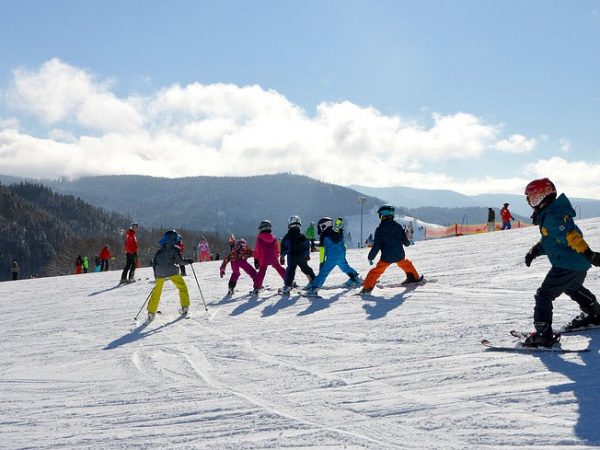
401 368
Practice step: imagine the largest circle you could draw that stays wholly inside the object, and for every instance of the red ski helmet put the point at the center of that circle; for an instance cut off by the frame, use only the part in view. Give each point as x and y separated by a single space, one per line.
538 190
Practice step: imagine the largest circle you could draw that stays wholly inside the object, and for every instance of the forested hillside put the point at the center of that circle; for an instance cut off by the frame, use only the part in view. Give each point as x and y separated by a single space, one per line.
45 232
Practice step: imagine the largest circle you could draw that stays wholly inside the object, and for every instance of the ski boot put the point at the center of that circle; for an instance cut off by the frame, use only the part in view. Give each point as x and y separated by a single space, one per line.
366 291
184 311
151 317
583 320
411 279
286 290
542 336
230 291
352 282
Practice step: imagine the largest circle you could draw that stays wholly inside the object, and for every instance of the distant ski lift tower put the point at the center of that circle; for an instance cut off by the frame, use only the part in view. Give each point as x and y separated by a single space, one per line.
361 201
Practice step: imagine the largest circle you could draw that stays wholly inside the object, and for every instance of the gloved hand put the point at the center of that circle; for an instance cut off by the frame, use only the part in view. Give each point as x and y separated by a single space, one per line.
256 264
282 260
533 253
307 258
222 272
592 257
370 262
188 260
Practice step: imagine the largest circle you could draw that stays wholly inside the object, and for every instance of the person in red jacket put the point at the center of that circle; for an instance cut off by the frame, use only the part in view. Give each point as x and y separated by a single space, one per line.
506 217
131 248
104 257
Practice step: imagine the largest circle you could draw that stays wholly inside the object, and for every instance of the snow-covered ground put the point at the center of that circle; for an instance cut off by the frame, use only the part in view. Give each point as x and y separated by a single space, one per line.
403 369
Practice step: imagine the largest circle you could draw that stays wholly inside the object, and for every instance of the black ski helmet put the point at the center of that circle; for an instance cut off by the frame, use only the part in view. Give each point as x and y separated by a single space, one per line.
173 235
324 223
386 211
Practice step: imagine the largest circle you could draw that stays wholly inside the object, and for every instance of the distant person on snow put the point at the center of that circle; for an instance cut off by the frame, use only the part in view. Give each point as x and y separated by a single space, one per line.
79 264
570 257
311 235
238 257
104 258
506 217
203 250
266 253
131 249
14 269
166 263
390 239
334 255
369 241
491 220
296 247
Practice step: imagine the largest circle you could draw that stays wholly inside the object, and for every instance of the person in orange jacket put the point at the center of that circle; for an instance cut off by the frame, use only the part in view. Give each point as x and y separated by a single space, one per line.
131 249
506 217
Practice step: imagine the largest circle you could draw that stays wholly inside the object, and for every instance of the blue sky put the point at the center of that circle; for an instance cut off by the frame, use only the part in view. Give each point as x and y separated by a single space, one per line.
475 96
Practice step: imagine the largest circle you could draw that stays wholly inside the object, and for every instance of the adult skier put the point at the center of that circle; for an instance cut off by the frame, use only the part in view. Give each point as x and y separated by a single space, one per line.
166 264
390 239
131 249
506 217
104 257
570 256
296 247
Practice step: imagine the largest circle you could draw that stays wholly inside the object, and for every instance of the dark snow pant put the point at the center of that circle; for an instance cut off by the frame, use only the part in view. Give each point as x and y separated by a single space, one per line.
129 267
15 276
290 272
104 265
557 282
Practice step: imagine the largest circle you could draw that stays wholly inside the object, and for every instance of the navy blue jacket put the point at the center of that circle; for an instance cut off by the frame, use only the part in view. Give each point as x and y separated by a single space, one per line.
390 238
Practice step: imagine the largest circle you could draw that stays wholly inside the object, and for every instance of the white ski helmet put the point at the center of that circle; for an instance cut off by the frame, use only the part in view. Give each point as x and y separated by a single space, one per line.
265 225
294 221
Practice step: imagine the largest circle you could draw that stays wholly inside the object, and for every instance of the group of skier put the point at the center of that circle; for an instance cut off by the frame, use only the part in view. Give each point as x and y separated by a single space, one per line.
561 240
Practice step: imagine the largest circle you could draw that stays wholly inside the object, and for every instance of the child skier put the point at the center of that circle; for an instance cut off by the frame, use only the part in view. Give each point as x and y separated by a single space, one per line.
296 247
390 238
334 254
204 250
166 264
570 257
266 253
240 252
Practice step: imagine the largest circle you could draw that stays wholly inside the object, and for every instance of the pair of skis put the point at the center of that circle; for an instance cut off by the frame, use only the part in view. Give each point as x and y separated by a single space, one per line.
521 336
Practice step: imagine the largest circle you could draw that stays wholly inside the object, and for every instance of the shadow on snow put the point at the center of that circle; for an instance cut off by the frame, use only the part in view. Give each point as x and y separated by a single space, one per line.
138 333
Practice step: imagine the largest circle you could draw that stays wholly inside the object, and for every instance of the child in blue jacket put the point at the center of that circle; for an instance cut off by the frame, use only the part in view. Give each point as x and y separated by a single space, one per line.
334 256
570 257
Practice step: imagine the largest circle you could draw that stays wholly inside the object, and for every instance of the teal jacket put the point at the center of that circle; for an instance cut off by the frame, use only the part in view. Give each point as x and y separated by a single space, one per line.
562 241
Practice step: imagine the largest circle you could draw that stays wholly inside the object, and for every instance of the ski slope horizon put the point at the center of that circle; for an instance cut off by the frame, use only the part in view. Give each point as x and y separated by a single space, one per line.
403 368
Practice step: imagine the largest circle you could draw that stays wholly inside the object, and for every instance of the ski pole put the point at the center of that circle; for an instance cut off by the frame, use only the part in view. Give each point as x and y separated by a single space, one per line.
146 301
201 296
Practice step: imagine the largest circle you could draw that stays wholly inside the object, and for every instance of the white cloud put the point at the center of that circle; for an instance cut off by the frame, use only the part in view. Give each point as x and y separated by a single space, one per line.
225 129
576 178
565 145
517 143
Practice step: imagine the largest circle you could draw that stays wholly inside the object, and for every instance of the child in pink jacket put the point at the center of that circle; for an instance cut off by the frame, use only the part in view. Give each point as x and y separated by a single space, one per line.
240 252
266 253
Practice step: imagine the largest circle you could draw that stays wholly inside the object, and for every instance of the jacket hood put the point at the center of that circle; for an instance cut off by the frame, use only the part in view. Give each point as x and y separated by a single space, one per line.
562 204
266 237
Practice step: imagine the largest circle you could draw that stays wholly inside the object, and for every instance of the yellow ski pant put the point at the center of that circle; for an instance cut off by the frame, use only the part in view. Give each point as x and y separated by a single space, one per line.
178 281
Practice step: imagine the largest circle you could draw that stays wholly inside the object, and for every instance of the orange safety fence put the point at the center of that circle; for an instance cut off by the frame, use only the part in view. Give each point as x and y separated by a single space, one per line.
460 230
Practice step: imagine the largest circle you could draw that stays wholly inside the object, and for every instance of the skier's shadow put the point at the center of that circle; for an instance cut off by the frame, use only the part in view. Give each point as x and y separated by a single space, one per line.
584 385
380 306
319 304
253 302
282 303
105 290
138 333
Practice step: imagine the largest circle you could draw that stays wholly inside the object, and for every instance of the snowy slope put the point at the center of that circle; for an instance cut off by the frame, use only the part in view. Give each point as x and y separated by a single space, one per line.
404 369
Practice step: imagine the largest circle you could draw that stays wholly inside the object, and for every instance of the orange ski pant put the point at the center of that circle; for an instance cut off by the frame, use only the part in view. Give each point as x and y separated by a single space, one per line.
374 274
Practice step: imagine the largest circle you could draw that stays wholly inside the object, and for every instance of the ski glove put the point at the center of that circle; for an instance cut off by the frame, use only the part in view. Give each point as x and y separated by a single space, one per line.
222 272
370 262
256 264
533 253
282 260
592 257
188 260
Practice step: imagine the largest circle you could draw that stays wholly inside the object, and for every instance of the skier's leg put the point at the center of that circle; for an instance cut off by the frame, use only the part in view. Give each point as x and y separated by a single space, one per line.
374 274
307 270
324 271
290 272
246 267
235 271
155 297
184 294
555 283
280 270
407 266
260 276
